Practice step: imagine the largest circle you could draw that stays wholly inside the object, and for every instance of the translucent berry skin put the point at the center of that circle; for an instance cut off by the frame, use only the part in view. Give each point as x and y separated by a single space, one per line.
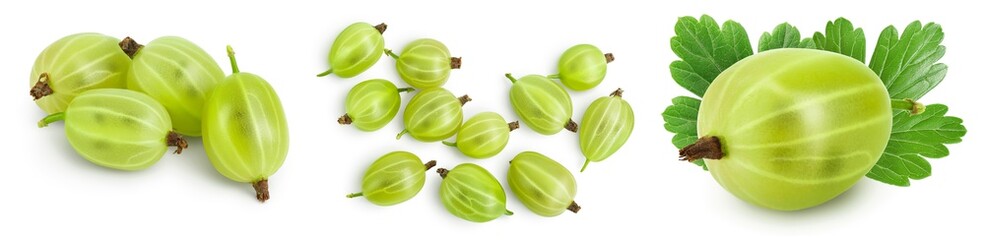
470 192
355 49
179 75
77 63
433 115
798 126
393 178
543 185
582 67
483 135
425 63
372 104
543 105
606 126
244 129
117 128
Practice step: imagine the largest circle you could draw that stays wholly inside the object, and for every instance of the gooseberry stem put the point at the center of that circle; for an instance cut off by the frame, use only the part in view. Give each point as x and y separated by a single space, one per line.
609 58
232 58
345 119
130 47
554 76
456 62
513 125
450 144
442 172
430 164
391 54
584 165
464 99
41 89
571 126
263 192
617 93
325 73
510 76
908 104
705 148
406 89
508 213
176 140
51 118
381 27
352 195
401 134
574 207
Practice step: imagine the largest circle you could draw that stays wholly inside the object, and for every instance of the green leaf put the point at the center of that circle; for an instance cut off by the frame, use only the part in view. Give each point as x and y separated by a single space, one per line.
915 138
705 51
681 118
841 37
908 64
784 36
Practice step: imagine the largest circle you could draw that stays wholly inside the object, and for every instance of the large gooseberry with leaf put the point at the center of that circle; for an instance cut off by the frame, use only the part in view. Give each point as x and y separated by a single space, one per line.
789 129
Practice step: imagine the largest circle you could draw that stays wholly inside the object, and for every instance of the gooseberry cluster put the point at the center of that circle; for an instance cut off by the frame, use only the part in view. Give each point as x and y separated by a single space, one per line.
434 114
124 104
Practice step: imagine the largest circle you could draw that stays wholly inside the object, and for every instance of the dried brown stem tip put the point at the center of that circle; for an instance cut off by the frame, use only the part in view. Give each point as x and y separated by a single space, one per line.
442 172
456 62
571 126
464 99
130 47
574 207
609 58
41 89
430 164
514 125
381 28
617 93
345 119
704 148
176 140
263 193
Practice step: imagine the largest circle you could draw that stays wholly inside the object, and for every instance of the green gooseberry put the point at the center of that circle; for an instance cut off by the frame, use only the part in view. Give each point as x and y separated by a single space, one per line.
484 135
582 67
244 129
74 64
433 115
118 128
543 185
543 105
371 104
425 63
179 75
470 192
356 49
789 129
393 178
607 124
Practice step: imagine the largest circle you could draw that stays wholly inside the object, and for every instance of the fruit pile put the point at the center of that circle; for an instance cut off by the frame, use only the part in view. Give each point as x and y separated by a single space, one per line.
434 114
124 104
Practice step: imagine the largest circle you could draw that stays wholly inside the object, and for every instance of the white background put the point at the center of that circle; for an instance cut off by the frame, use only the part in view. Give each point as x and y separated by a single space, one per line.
642 191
